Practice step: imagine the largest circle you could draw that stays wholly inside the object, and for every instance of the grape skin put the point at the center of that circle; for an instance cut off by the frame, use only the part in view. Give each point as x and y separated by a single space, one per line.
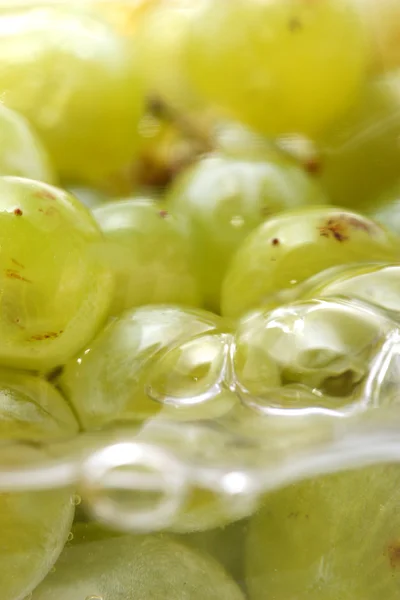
34 525
222 199
149 254
22 152
55 285
277 65
136 568
333 537
294 245
72 77
107 381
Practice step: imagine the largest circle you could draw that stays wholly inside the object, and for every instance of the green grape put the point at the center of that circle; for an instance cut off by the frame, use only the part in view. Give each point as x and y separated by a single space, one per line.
277 65
307 354
55 287
72 77
149 254
294 245
34 525
34 407
225 544
375 284
159 43
332 537
118 378
136 568
222 199
22 153
360 155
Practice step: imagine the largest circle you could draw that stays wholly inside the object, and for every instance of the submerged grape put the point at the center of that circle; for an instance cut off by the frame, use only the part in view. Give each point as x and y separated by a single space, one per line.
336 536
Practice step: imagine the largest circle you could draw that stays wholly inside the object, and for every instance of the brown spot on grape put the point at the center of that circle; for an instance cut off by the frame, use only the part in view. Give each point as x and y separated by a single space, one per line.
20 265
360 224
295 24
275 242
393 553
12 274
45 195
336 228
18 212
49 335
163 214
313 165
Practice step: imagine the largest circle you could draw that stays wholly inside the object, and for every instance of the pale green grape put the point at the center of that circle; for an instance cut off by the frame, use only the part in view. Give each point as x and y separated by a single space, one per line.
360 155
333 537
55 286
149 254
277 65
22 153
375 284
294 245
72 77
136 568
307 354
222 199
226 544
110 379
34 525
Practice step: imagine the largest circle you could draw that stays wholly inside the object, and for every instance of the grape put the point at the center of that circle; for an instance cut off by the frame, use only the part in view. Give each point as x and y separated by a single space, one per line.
110 379
360 155
55 287
294 245
136 568
34 407
277 65
72 77
222 199
307 354
225 544
375 284
335 536
148 252
34 525
22 153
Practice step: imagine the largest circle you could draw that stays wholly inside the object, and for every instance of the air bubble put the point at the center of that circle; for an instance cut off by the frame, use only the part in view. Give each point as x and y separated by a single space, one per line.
70 537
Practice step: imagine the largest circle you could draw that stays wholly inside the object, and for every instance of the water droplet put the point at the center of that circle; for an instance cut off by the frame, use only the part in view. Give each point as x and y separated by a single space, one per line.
237 221
70 537
76 500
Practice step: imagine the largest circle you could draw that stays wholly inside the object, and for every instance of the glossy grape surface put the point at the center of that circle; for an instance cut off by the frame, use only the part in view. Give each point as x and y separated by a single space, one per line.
294 245
71 76
149 253
136 568
22 152
222 199
332 537
109 380
241 56
34 524
55 287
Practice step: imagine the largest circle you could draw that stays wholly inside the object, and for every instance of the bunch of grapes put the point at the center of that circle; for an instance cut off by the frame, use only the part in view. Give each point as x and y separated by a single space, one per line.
199 255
